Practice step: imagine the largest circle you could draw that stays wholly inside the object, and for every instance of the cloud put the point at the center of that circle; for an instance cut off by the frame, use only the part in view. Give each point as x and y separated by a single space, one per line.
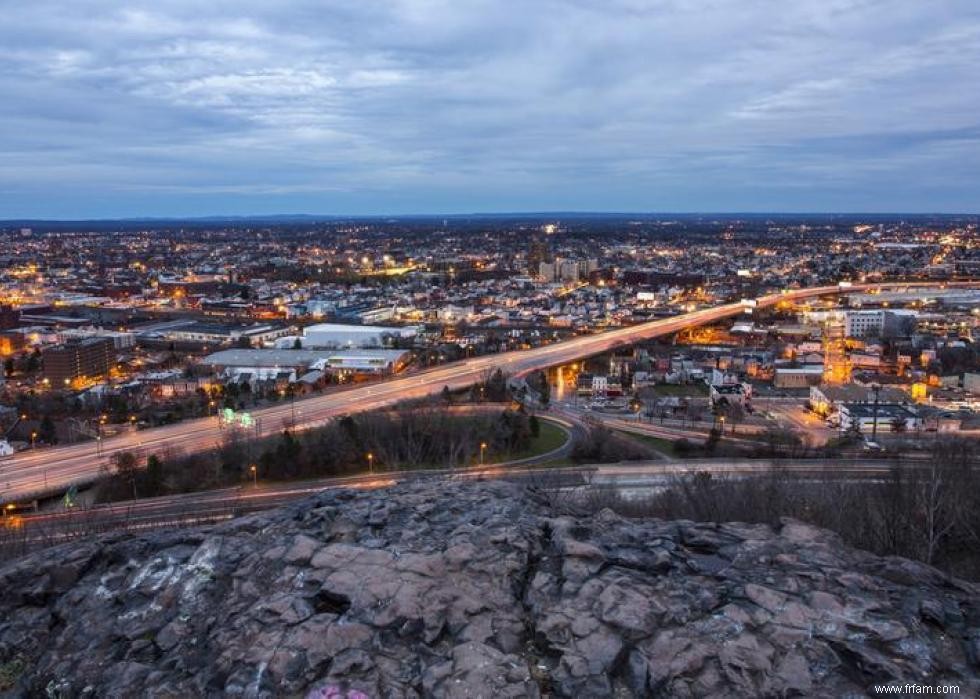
111 108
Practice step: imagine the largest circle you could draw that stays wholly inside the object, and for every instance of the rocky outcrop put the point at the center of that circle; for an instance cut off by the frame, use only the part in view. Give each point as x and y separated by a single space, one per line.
477 590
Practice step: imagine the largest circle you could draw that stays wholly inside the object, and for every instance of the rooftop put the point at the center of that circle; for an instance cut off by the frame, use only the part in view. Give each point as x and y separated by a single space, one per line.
293 357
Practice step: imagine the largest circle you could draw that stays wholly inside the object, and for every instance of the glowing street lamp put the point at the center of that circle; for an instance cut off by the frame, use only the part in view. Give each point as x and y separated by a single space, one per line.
483 448
255 475
33 439
370 460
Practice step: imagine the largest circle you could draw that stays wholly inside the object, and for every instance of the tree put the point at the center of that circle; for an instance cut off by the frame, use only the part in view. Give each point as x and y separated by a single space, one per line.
34 361
47 431
126 466
495 387
535 426
544 389
733 413
297 344
153 476
714 436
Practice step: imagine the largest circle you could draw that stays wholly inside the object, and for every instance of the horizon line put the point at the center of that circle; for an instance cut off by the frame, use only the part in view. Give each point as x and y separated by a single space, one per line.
474 214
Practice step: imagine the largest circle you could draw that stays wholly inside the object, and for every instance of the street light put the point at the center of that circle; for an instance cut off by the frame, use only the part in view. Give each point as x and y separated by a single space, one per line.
483 448
33 438
370 459
255 475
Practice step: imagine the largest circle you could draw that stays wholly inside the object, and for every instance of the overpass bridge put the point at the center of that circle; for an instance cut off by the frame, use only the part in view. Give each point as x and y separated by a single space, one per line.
50 471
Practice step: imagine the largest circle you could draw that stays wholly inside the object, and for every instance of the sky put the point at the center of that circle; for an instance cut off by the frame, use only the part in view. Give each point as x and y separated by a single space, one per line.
241 107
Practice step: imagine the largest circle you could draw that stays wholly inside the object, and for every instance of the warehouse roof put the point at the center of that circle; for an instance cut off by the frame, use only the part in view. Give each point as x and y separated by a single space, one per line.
293 357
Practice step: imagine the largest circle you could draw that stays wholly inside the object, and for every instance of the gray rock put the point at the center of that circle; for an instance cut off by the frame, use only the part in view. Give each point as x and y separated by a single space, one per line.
449 589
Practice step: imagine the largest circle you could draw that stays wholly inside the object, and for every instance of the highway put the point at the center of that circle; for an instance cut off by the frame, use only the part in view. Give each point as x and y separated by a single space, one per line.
50 471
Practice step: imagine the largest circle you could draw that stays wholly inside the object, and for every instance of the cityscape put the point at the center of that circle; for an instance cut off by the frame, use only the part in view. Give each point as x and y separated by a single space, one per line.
430 350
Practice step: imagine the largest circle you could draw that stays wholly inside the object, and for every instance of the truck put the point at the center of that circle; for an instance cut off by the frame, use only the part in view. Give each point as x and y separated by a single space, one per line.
5 448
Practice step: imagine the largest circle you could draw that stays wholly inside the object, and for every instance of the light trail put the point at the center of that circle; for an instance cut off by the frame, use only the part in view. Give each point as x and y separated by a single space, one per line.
44 472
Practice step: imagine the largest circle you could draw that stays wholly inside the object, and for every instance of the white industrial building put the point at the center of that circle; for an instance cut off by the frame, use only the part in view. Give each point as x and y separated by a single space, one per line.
863 323
878 323
225 333
862 417
120 340
340 336
274 363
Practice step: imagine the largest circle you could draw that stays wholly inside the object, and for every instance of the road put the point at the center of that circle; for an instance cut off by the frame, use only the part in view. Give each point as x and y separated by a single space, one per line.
20 532
798 418
50 471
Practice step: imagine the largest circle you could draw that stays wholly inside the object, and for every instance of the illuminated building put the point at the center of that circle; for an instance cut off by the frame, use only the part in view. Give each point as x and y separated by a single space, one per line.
82 359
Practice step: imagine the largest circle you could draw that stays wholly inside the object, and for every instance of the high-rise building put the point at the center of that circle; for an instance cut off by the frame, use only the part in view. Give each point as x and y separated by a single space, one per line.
587 267
81 359
548 271
569 270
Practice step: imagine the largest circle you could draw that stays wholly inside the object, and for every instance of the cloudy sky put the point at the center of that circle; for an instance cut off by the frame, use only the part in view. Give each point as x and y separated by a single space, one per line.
174 107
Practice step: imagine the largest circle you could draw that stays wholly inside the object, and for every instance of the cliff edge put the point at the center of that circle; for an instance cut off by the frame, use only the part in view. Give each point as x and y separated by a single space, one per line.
477 590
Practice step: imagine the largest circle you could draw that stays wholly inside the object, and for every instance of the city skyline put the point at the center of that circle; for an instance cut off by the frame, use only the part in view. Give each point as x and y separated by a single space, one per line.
173 110
427 348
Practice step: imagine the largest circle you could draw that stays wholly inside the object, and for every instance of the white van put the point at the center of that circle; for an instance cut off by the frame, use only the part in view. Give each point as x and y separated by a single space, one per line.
5 448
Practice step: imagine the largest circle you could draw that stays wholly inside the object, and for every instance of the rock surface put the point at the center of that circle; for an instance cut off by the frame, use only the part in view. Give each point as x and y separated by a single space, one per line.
477 590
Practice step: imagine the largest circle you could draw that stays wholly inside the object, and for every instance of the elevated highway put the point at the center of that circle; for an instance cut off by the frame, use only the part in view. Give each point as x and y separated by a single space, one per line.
49 471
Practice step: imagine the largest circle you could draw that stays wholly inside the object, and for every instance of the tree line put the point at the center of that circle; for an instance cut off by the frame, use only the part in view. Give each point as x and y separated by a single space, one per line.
928 510
430 436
